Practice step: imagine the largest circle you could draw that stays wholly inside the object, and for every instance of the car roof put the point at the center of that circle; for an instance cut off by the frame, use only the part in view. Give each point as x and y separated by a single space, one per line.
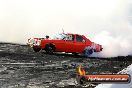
71 33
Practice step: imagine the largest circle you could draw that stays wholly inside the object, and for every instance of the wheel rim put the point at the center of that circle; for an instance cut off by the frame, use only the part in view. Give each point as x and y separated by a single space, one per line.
49 50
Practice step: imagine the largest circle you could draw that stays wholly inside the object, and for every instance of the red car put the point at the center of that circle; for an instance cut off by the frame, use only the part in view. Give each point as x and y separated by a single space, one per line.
69 43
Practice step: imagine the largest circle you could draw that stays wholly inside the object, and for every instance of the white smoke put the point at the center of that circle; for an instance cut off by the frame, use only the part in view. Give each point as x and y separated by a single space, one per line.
113 45
116 42
107 22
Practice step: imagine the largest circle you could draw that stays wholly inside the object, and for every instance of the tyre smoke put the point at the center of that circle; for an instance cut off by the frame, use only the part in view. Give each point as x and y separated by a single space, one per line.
107 22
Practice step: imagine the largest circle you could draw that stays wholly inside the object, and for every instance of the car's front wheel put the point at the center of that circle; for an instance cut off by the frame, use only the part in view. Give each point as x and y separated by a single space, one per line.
49 49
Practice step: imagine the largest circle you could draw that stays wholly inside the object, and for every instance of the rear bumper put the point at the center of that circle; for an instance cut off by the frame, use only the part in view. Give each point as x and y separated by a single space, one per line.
97 47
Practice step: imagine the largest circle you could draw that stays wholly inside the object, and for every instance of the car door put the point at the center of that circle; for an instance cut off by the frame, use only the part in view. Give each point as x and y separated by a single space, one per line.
60 45
80 43
69 43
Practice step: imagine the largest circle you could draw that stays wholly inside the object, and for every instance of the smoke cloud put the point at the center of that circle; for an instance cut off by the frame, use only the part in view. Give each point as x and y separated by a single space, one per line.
107 22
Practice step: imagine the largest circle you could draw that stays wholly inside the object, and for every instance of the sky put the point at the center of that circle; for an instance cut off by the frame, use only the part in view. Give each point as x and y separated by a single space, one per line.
107 22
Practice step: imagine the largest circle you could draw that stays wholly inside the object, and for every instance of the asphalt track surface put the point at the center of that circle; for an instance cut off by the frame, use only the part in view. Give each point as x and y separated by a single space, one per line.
21 67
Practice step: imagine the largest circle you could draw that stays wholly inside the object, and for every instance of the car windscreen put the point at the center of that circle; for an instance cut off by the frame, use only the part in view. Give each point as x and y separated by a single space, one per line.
59 36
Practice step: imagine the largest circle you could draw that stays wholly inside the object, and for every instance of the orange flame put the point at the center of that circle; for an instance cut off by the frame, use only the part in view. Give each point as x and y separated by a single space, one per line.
81 71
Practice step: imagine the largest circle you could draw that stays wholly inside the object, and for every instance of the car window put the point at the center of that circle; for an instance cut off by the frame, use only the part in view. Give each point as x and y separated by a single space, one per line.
70 37
79 38
59 36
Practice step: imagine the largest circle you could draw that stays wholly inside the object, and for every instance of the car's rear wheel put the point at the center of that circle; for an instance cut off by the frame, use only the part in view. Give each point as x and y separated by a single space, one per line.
88 51
49 49
36 49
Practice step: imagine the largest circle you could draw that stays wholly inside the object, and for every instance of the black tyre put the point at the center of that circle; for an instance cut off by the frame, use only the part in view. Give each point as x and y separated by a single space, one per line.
88 51
36 49
49 49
